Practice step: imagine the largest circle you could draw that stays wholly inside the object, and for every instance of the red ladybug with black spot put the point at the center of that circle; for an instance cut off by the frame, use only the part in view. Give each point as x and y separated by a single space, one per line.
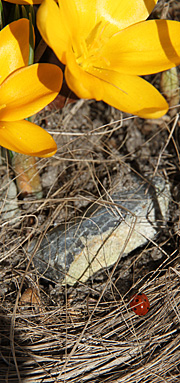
140 304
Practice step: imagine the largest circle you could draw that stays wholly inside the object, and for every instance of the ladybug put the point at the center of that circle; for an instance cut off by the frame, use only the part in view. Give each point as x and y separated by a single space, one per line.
140 304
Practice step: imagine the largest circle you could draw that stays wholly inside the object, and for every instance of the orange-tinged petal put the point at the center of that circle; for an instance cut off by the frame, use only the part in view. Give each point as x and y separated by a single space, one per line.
148 47
131 94
52 27
27 138
14 47
28 90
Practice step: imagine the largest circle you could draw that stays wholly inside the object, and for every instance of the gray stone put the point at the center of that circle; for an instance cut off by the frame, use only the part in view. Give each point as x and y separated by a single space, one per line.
129 219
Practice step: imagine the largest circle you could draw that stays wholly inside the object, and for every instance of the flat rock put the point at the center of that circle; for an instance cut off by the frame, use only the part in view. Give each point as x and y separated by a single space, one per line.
127 220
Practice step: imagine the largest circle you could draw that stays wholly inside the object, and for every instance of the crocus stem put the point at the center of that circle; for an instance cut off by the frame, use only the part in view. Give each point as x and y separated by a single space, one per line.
27 175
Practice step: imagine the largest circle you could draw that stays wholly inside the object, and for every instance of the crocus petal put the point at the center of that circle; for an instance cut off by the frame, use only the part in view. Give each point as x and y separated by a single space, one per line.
27 138
27 90
83 14
131 94
14 47
52 27
123 13
145 48
117 14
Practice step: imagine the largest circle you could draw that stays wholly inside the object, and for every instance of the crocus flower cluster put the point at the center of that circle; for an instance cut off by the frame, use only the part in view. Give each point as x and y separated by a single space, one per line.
24 91
106 46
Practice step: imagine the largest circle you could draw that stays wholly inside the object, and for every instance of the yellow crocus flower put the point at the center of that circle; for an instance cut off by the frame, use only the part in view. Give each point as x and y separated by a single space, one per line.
24 91
106 45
